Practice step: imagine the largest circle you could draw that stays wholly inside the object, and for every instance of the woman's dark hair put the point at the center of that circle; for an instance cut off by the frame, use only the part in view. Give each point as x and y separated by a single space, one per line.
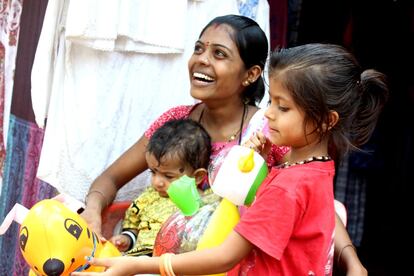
182 138
326 77
253 48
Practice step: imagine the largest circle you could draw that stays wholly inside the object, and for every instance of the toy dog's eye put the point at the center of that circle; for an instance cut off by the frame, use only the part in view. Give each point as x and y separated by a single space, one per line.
24 236
73 228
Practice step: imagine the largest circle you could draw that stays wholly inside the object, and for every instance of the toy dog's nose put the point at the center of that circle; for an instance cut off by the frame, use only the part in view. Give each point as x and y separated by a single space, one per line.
53 267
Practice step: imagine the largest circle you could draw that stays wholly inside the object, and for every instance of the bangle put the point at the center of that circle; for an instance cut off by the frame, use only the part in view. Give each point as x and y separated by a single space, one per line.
168 266
161 264
131 236
165 265
342 250
100 193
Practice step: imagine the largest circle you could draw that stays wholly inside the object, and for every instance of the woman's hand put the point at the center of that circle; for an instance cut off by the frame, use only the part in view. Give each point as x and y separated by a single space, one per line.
94 220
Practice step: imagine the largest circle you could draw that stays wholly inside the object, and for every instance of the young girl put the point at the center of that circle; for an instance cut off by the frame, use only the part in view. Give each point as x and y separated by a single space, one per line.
321 105
179 147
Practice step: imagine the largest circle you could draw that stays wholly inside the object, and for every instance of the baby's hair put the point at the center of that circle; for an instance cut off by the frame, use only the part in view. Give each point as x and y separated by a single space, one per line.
184 138
326 77
253 48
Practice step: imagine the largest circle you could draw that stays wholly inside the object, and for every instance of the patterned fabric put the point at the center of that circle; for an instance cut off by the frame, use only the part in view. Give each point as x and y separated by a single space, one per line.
10 12
146 214
2 96
24 138
350 189
20 185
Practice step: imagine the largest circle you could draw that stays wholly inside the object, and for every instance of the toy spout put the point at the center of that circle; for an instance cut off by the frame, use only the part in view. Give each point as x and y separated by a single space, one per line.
246 162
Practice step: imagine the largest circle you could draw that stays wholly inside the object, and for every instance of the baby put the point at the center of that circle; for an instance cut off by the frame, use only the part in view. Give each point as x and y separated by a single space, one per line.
179 147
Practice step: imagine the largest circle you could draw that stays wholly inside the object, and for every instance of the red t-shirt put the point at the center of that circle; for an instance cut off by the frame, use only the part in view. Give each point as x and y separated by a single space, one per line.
291 223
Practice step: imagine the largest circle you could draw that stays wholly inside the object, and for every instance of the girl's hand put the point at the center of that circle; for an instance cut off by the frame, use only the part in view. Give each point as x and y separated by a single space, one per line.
259 143
122 266
121 242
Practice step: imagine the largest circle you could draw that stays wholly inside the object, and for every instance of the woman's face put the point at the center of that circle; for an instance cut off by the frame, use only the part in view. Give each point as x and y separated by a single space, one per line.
216 69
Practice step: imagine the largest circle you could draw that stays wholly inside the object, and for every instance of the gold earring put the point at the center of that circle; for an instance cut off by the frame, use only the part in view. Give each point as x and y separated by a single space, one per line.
246 83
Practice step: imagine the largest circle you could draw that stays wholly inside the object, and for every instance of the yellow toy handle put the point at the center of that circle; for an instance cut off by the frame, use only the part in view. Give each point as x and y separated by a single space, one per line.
222 222
246 163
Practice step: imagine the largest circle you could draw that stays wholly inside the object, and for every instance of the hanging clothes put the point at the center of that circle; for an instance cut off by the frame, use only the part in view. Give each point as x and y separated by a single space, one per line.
10 12
24 138
100 89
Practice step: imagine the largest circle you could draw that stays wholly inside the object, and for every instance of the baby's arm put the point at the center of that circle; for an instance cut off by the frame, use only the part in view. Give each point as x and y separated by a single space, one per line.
127 239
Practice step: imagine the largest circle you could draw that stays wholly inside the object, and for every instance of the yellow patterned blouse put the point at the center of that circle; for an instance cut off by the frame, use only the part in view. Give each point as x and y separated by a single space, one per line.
146 214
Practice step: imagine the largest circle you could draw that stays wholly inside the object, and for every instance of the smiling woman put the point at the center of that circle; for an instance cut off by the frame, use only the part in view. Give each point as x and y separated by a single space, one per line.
225 76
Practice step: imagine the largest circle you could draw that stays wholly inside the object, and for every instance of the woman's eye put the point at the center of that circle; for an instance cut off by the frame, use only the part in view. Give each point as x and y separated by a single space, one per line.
197 48
220 53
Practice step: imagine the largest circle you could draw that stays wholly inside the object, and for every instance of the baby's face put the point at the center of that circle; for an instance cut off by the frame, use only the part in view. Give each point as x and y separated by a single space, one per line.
163 173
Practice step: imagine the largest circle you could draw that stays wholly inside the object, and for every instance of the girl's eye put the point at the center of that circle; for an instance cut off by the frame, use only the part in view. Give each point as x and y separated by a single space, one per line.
269 102
283 109
151 172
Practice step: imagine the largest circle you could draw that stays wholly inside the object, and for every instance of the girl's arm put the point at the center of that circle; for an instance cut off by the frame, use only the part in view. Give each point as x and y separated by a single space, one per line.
103 190
209 261
345 253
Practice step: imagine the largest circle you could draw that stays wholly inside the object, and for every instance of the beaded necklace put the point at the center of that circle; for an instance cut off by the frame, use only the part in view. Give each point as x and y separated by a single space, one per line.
311 159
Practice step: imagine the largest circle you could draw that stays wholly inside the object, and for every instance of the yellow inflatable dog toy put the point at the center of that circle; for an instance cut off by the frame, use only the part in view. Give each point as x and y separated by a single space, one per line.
55 240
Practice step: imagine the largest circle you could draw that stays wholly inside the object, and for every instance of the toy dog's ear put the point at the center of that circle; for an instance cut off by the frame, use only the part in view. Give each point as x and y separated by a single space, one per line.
18 213
70 202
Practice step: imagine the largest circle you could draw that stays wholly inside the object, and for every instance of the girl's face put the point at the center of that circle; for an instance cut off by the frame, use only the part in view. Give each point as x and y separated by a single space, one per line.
216 69
286 119
167 171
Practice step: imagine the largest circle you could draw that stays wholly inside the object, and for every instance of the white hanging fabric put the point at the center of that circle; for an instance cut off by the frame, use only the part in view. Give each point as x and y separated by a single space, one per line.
98 103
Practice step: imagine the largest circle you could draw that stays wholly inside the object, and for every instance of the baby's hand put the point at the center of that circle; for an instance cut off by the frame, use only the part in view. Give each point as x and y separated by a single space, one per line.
122 242
259 143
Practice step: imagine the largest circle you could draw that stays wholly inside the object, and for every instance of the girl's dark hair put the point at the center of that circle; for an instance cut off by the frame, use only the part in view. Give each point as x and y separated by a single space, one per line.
325 77
253 48
184 138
